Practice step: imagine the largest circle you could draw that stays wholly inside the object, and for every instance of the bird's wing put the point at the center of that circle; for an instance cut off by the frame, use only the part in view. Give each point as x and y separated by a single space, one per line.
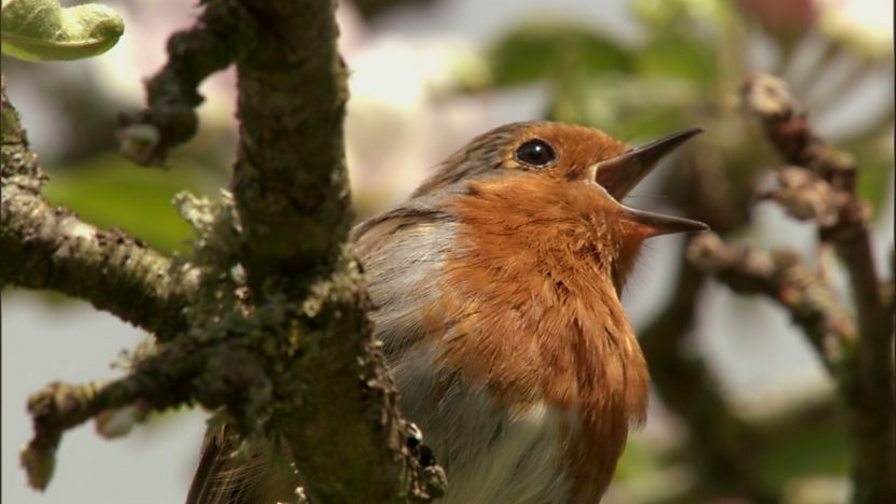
393 249
403 253
375 232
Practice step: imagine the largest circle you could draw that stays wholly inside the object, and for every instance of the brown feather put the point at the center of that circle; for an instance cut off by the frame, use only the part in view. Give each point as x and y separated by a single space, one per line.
514 273
531 311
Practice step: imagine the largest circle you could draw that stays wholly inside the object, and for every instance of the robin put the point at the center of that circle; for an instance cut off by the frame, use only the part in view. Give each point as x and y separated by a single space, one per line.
497 285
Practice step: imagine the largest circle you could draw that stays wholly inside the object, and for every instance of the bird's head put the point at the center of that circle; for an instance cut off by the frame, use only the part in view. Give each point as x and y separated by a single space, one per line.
558 186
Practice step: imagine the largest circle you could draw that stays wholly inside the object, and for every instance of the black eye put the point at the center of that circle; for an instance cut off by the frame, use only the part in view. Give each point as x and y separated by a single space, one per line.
535 153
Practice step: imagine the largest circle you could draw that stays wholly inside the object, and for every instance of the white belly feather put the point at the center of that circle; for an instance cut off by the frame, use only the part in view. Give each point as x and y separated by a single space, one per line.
491 456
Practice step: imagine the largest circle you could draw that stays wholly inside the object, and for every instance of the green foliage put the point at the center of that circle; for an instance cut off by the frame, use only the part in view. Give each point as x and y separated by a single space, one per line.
808 451
630 92
623 107
663 15
540 51
41 30
635 460
670 56
874 157
111 192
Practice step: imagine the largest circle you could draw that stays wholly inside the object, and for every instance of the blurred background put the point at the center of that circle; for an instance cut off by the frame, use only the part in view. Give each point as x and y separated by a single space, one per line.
742 412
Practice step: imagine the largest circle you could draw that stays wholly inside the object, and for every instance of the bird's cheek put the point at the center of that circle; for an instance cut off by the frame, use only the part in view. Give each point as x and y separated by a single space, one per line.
575 173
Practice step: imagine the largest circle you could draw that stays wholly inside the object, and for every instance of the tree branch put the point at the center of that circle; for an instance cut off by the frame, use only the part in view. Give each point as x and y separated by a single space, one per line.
171 94
291 191
59 407
719 443
718 439
292 85
50 248
274 309
178 373
785 278
871 383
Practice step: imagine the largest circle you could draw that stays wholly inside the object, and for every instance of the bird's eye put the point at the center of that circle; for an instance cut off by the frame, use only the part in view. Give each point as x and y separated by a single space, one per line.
537 153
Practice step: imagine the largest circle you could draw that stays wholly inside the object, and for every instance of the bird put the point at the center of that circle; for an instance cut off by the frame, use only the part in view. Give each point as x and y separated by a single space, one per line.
497 290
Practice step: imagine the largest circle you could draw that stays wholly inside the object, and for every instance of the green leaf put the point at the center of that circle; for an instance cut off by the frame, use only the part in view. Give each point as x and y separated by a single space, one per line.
674 56
638 458
109 191
874 159
809 451
677 14
646 473
41 30
624 107
539 51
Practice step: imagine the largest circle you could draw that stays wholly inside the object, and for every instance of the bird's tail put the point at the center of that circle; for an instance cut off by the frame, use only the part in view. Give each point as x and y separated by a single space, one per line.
229 473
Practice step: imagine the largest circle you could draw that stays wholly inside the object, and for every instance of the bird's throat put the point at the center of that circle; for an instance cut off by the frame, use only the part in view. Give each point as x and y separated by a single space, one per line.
531 313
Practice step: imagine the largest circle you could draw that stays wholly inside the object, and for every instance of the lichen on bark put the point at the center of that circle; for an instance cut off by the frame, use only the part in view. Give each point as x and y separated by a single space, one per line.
264 320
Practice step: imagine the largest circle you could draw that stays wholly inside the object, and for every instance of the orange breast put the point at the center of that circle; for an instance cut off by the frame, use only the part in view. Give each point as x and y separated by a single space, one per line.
530 312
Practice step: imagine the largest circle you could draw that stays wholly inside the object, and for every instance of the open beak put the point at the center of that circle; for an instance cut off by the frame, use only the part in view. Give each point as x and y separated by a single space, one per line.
648 224
619 175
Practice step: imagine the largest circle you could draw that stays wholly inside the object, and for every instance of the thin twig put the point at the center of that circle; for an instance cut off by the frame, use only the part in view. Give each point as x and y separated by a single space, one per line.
59 407
215 370
719 443
194 54
784 277
50 248
719 440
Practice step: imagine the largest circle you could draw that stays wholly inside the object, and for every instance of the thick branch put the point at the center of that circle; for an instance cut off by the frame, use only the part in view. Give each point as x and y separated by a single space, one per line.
291 191
290 180
284 350
50 248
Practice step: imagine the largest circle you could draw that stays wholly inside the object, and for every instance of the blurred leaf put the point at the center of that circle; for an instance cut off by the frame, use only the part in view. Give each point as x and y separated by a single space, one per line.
873 155
626 108
540 51
673 56
637 459
871 145
875 181
808 451
660 12
110 192
41 30
645 473
874 159
371 9
674 14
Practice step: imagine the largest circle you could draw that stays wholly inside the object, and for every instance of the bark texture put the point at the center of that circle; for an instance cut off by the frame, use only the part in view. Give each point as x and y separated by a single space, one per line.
264 321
